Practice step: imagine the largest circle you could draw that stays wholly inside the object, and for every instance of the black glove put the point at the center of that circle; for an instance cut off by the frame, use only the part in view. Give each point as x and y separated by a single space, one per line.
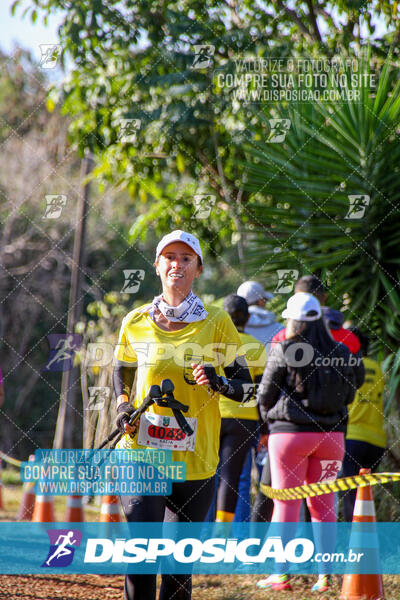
212 376
217 383
124 411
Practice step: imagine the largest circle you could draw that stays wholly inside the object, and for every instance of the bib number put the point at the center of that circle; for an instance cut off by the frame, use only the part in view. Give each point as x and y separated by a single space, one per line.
157 431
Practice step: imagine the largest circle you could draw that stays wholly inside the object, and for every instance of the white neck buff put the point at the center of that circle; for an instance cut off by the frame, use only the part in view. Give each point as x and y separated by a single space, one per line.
191 309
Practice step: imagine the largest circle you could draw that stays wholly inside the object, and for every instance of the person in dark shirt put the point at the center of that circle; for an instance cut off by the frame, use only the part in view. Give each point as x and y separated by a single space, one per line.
304 401
311 284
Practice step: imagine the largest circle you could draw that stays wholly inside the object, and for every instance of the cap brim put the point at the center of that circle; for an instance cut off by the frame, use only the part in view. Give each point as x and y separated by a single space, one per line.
173 242
268 296
286 315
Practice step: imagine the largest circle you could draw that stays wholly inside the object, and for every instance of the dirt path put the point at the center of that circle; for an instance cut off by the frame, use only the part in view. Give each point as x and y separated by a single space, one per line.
109 587
205 587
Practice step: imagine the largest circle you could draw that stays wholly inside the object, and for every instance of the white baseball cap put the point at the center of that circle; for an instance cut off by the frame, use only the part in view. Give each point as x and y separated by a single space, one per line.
180 236
302 307
253 291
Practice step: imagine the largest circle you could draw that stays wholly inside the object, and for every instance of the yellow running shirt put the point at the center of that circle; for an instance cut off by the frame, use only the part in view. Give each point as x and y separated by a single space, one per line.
366 410
256 358
159 355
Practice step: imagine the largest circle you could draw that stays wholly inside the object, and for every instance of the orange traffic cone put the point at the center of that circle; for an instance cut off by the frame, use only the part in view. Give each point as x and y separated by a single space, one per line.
27 502
44 509
364 586
109 512
28 498
74 510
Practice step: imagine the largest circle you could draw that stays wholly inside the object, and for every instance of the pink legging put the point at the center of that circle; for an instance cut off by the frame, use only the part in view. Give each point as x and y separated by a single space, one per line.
298 458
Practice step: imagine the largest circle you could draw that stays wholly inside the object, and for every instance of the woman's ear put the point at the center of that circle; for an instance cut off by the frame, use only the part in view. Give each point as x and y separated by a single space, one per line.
199 271
155 266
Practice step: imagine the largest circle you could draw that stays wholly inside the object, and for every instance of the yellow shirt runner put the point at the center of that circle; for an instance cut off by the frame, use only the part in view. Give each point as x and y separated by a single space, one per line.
366 410
256 358
159 355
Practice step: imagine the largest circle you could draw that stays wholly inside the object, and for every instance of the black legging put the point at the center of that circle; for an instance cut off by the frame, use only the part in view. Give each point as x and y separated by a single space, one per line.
358 454
189 501
263 506
236 438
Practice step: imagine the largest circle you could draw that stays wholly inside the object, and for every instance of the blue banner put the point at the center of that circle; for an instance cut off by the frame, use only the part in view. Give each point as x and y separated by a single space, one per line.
215 548
148 472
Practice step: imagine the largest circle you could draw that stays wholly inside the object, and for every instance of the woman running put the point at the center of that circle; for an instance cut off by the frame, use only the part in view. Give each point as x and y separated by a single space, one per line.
175 337
303 395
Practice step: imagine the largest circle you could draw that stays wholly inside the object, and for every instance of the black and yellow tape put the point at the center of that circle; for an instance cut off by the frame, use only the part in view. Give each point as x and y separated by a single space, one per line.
327 487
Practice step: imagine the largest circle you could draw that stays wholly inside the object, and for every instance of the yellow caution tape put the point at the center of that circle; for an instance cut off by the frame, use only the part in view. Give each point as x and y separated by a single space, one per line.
327 487
9 459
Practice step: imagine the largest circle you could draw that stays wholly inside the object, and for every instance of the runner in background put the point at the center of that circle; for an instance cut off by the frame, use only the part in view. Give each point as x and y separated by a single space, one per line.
240 422
262 325
303 398
174 337
366 437
310 284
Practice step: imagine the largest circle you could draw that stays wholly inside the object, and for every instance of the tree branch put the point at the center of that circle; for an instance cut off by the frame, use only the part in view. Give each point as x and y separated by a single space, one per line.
294 16
234 15
313 20
323 13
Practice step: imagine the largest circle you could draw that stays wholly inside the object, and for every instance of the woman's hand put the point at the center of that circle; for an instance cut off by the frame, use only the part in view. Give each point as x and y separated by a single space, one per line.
123 425
131 429
199 374
124 411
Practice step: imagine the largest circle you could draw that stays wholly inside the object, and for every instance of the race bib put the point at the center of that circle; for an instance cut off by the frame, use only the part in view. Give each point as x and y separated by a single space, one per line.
158 431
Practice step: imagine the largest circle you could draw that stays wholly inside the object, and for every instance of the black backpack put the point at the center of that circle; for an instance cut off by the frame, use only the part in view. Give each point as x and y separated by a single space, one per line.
324 388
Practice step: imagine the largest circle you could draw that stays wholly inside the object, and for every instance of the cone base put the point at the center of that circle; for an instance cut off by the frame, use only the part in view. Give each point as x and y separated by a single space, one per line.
26 509
75 517
43 513
110 519
362 587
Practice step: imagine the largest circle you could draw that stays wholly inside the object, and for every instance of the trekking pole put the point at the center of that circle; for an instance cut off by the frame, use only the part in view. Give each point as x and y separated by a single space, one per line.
154 392
167 388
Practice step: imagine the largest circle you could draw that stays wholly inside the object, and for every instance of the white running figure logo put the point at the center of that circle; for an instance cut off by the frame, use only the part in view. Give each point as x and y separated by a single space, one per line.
66 349
62 549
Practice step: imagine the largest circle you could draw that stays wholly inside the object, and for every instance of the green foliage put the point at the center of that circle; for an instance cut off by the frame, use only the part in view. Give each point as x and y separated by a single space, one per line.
10 476
300 204
22 90
134 60
391 369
